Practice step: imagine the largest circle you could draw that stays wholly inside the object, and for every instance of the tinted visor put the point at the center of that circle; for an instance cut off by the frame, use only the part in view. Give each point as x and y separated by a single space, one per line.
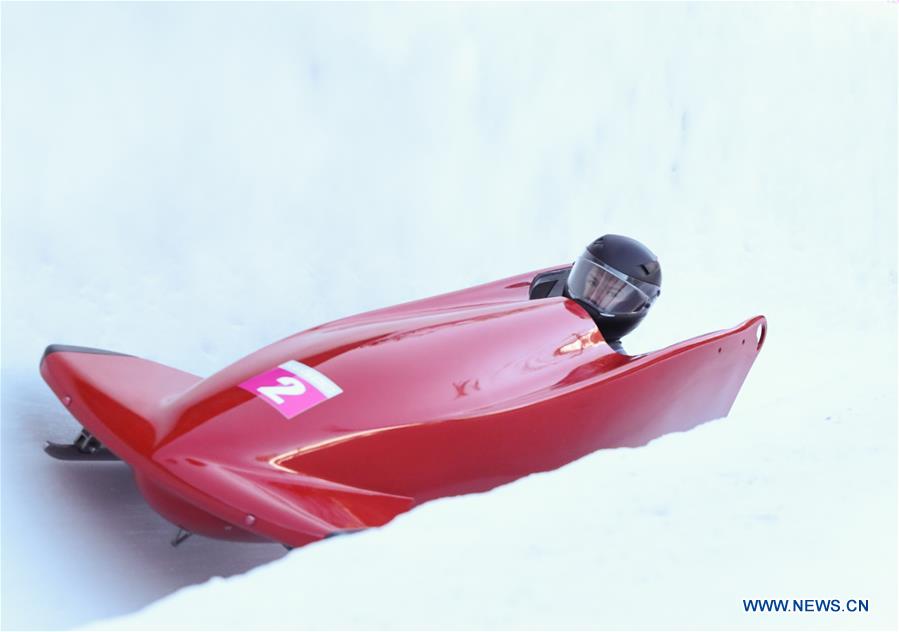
609 290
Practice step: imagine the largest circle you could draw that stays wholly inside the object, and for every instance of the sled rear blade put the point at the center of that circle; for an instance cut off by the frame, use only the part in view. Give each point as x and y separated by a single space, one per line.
86 447
71 452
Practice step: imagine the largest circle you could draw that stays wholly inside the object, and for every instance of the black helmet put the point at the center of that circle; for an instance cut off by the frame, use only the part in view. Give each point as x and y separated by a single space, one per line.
616 280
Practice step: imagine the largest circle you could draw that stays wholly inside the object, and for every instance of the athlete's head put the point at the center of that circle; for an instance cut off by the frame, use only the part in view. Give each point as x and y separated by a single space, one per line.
616 279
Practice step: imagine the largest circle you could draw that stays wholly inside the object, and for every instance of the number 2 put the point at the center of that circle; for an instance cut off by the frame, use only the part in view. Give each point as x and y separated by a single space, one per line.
289 386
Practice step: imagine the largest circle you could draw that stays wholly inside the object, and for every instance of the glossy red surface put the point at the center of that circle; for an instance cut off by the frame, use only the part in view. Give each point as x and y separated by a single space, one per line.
448 395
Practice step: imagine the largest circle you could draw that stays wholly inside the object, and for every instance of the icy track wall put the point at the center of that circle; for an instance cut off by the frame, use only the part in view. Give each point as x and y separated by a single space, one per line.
189 182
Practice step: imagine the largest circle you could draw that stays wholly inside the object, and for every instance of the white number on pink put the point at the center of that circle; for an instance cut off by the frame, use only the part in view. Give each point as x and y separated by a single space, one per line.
289 386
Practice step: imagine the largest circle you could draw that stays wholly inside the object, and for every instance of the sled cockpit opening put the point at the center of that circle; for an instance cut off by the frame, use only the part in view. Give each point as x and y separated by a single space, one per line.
548 284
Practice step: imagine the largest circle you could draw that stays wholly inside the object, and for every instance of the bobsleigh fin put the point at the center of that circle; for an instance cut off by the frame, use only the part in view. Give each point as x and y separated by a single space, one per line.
116 397
286 506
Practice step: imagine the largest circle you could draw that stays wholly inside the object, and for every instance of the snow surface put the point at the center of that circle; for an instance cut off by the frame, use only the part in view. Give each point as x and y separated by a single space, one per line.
189 182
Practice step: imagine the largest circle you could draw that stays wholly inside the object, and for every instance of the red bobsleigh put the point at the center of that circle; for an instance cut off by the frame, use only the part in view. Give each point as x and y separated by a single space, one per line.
346 425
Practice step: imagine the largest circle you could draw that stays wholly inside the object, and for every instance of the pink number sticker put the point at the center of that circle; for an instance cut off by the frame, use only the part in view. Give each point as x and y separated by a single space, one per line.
292 388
